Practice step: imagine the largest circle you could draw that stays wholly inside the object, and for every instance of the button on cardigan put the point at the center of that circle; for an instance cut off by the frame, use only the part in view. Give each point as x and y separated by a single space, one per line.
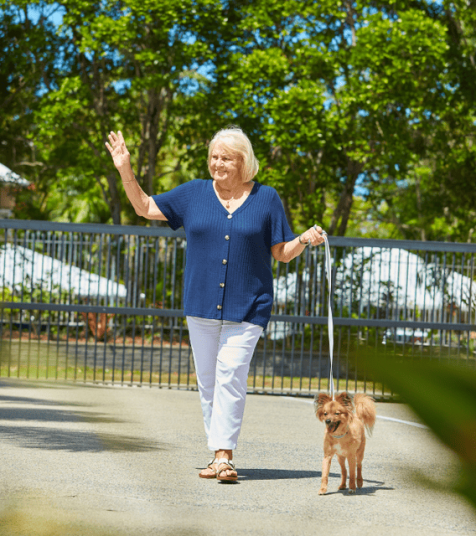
228 272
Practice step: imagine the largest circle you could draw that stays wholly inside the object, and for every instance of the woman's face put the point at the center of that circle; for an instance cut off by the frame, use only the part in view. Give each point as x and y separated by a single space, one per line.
225 167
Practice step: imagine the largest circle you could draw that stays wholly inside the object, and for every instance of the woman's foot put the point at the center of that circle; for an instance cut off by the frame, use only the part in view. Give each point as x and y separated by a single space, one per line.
210 471
225 471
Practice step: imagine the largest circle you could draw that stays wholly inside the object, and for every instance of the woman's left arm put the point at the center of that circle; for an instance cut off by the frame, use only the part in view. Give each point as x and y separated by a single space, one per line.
287 251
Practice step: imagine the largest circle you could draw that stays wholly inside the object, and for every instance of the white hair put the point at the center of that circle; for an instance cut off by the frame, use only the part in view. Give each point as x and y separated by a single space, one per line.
236 141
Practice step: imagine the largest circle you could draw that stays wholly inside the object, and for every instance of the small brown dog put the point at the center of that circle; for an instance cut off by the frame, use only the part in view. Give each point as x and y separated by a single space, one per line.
346 422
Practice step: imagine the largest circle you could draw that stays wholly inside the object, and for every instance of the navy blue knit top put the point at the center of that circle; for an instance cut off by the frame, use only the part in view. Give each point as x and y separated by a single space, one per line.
228 266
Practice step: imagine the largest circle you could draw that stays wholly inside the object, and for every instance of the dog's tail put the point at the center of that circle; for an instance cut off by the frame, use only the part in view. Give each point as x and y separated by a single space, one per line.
365 411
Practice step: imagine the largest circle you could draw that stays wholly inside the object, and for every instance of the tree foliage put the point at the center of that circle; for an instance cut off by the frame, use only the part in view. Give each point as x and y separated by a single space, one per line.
354 108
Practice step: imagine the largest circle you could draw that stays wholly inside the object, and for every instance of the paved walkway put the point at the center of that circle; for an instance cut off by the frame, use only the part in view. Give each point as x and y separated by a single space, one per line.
95 460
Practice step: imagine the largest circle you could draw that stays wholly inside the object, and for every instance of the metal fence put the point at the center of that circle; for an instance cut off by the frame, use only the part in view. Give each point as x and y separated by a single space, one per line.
102 303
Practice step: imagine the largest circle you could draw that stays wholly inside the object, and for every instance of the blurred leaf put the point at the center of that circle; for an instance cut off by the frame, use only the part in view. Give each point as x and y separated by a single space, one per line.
443 395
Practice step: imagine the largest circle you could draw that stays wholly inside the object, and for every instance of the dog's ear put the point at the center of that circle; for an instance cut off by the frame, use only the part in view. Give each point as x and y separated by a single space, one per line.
320 400
345 399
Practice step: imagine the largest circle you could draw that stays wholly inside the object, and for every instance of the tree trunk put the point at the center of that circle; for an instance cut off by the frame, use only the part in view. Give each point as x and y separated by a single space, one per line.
114 200
340 218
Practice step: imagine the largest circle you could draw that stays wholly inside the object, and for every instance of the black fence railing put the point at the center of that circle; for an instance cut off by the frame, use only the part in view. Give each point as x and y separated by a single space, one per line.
104 303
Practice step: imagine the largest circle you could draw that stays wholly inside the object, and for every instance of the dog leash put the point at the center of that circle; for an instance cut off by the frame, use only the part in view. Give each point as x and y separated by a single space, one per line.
330 320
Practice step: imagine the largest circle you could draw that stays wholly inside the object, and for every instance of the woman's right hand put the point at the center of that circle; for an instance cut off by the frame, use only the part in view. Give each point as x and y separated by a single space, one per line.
118 150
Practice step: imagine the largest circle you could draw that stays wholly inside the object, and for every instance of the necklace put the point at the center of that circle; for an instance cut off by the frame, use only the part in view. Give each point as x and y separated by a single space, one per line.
226 201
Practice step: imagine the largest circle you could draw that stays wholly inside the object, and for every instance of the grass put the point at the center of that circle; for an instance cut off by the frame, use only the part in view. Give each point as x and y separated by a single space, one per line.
99 375
258 383
38 360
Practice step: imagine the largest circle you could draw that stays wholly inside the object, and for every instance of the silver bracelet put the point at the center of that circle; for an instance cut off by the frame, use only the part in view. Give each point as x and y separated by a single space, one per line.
304 243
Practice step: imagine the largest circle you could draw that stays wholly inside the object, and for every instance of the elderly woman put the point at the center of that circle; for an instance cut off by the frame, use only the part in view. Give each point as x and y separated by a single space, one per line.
233 227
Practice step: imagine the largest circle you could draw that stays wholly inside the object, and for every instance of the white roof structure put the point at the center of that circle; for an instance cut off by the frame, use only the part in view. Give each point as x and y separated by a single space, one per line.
412 281
20 265
7 176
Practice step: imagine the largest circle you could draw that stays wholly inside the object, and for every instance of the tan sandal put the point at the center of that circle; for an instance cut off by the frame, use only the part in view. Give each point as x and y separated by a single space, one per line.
227 465
209 466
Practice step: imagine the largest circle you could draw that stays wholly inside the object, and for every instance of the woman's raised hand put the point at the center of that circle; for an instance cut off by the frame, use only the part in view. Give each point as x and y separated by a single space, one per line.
118 150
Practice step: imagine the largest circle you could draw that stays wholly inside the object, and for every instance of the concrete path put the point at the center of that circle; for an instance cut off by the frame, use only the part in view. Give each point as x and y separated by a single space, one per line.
90 460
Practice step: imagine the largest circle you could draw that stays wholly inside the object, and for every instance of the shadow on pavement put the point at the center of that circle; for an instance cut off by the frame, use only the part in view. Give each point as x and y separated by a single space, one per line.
53 415
39 401
366 490
74 440
276 474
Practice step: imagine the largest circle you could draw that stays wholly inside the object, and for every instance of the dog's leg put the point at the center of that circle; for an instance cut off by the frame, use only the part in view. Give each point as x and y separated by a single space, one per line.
360 480
360 457
326 466
352 461
343 484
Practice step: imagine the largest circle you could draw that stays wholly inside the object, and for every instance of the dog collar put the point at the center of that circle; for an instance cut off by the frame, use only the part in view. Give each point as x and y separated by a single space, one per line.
341 436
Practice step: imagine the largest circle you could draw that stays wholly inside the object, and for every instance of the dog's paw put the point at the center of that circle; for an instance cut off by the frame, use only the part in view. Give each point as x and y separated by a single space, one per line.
351 491
343 486
322 491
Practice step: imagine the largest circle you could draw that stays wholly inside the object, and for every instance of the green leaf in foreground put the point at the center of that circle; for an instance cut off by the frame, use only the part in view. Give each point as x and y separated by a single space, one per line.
443 395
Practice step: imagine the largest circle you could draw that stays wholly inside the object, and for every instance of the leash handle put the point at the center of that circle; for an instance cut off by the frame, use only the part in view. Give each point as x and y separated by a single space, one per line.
330 320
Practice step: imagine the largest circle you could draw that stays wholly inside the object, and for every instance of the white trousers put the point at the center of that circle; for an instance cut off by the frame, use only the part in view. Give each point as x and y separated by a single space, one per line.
222 352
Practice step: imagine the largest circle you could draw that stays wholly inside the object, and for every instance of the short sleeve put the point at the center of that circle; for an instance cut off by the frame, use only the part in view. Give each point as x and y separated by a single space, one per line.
280 230
174 204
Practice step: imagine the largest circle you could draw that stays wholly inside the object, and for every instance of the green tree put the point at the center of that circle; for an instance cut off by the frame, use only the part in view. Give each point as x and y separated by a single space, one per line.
336 96
435 200
27 42
128 65
340 99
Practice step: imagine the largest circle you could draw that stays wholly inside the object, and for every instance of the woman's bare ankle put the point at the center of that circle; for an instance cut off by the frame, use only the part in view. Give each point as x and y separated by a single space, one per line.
228 454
